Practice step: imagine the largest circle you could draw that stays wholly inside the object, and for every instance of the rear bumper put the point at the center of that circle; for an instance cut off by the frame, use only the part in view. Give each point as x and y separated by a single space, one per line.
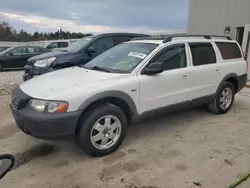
242 80
46 126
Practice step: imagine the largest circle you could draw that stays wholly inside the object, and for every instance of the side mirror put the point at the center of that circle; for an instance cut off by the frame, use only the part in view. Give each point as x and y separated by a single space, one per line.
6 163
154 68
91 50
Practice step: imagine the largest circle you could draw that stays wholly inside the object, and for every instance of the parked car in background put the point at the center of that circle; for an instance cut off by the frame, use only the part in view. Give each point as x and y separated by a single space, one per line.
53 44
16 57
2 48
95 102
78 53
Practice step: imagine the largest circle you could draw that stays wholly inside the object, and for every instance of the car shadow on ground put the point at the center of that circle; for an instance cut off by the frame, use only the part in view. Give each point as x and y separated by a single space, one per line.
154 124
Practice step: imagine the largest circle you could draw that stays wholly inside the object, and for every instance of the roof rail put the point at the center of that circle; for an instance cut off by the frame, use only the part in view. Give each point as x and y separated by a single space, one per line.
168 38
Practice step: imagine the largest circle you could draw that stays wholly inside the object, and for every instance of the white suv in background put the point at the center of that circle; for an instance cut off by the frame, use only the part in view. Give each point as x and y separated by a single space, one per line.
94 103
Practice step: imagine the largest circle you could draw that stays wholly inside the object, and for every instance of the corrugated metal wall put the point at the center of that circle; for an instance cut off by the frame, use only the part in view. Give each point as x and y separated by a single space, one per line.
212 16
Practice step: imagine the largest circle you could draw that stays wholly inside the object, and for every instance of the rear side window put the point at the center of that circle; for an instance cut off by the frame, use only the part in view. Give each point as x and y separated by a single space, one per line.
202 53
63 44
52 45
229 50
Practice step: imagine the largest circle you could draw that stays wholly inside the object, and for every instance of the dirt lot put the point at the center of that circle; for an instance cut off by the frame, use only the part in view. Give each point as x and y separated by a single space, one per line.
191 148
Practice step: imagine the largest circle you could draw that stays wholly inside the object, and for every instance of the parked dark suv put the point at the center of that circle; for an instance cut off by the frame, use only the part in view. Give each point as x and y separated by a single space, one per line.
78 53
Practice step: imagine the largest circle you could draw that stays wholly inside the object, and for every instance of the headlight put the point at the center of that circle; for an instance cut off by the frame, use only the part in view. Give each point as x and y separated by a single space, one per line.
45 62
48 106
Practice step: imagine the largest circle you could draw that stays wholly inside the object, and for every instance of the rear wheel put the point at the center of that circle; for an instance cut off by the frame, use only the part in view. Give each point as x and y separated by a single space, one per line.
224 99
102 130
1 66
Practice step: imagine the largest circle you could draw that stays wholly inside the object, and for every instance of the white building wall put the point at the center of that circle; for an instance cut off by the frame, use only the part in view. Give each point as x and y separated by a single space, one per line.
213 16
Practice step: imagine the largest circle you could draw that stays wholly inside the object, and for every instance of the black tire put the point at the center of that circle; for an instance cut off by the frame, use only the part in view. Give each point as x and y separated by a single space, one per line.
215 106
1 66
87 122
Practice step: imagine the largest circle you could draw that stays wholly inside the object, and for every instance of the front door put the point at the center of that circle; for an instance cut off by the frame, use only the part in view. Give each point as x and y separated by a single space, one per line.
14 58
169 87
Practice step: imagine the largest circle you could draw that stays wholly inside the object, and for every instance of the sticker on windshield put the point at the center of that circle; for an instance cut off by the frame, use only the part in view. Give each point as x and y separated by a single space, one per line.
137 54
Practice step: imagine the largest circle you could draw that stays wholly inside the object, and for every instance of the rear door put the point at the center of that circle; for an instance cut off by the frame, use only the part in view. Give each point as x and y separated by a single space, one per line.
231 59
204 76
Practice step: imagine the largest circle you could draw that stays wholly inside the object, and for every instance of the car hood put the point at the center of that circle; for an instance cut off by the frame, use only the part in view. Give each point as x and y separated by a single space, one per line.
49 54
65 82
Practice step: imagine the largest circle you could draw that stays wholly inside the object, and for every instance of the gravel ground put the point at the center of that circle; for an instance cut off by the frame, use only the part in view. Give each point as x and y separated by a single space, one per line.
186 149
8 80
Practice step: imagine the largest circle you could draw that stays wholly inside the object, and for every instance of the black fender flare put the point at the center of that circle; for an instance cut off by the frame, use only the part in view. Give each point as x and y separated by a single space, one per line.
228 76
111 93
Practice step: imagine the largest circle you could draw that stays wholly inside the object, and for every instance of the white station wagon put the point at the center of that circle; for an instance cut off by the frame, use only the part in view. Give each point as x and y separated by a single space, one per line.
95 103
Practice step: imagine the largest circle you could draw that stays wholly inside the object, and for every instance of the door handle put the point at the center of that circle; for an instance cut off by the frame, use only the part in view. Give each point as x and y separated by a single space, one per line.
217 69
185 75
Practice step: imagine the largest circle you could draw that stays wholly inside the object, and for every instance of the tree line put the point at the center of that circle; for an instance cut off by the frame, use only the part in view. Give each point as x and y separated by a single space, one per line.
8 33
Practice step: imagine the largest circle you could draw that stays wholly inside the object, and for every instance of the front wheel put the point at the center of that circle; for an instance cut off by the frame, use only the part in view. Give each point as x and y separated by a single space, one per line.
102 130
224 99
1 66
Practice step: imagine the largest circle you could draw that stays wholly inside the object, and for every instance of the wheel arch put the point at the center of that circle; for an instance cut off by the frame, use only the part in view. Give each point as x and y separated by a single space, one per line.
233 78
113 97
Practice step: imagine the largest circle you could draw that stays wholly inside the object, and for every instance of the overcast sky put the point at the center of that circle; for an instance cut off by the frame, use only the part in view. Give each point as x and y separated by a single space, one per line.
95 15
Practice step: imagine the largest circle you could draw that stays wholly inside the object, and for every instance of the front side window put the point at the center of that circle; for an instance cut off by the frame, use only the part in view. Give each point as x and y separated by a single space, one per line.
202 53
18 51
229 50
38 49
102 45
122 58
173 57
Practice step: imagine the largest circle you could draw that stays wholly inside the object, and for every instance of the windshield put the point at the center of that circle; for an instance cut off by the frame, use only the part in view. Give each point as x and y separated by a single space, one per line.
2 48
5 51
122 58
78 45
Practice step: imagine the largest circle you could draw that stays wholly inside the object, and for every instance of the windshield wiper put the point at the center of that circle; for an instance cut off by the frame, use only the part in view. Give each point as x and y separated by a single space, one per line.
64 50
99 69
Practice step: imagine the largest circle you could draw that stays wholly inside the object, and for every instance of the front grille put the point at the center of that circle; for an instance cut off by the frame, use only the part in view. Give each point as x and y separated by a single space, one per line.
15 102
19 99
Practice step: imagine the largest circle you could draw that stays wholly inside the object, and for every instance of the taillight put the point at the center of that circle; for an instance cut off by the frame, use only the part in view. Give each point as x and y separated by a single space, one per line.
245 59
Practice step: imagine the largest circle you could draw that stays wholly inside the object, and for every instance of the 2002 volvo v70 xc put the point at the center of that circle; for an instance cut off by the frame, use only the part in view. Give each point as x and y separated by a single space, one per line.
95 102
